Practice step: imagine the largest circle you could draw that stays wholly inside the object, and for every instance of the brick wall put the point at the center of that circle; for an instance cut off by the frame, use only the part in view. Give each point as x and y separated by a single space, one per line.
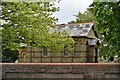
82 71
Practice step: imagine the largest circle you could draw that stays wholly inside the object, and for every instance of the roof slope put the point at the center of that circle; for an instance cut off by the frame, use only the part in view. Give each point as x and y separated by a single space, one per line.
78 30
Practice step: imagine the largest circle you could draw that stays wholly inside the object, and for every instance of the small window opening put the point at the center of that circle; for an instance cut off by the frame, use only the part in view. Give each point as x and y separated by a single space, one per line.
65 51
45 52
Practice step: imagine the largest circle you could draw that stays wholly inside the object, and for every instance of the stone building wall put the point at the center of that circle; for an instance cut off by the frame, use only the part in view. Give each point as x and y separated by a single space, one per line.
79 54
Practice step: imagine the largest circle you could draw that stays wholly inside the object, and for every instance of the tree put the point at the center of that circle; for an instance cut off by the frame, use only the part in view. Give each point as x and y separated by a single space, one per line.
87 16
107 20
29 22
0 44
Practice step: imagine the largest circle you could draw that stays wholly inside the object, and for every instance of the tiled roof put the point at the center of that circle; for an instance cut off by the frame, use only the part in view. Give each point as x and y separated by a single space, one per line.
73 30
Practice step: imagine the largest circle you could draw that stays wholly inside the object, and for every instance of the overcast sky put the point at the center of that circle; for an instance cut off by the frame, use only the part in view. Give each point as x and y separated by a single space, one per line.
68 8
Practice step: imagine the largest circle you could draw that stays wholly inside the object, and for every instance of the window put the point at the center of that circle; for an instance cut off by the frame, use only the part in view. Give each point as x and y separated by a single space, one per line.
65 51
76 49
45 52
24 56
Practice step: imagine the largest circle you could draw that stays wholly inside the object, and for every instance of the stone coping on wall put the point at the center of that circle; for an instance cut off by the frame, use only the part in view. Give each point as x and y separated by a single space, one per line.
63 64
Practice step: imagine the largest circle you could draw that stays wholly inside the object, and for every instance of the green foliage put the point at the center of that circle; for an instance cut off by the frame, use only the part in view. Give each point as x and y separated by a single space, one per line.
30 23
26 22
87 16
107 20
0 45
9 55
